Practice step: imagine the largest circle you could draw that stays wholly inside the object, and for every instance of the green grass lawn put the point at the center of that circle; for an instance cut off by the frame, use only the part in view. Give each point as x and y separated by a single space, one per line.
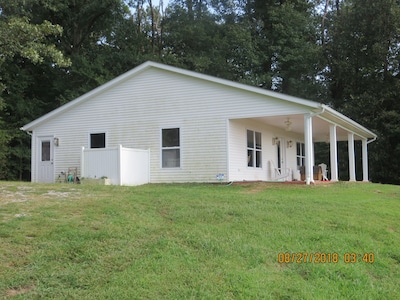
195 241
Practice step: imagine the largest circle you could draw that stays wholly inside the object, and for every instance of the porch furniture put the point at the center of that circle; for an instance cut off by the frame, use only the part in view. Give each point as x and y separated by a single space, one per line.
324 172
317 173
282 173
302 173
317 170
72 175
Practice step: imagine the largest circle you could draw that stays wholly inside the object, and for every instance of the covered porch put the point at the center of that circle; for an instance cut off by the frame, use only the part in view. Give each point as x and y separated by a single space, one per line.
320 125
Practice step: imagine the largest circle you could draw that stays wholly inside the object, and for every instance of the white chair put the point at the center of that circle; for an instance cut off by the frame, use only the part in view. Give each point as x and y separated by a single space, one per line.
324 171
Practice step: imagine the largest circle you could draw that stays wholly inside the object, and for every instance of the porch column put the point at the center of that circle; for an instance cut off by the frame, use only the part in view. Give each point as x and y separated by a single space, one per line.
333 153
352 165
365 159
308 143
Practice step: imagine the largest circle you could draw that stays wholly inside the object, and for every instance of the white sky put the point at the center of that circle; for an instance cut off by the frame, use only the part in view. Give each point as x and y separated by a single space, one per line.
157 2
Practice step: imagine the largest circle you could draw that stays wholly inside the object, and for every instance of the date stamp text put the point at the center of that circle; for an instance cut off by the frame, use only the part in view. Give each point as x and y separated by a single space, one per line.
323 258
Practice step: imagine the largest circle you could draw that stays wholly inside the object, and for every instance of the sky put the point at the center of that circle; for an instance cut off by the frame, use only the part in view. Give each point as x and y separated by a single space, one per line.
157 2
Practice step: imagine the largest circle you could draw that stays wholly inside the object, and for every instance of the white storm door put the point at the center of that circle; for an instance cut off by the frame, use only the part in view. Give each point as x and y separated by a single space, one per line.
45 160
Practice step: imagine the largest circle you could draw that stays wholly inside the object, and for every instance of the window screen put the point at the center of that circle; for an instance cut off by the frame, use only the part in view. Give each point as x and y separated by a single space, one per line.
171 155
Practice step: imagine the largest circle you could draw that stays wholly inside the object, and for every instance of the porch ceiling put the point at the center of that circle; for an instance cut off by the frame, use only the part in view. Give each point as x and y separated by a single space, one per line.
320 126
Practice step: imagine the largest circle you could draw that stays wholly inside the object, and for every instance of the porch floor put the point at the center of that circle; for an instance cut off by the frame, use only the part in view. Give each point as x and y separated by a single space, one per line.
299 182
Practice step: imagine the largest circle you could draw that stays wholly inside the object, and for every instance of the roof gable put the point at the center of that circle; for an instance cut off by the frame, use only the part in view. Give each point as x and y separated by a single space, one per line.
149 64
314 107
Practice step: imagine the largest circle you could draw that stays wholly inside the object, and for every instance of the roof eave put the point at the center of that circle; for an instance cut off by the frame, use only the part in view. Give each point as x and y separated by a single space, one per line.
314 107
349 124
52 114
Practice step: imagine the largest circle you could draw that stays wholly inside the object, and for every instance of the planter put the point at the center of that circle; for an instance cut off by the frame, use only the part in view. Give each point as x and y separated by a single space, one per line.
96 181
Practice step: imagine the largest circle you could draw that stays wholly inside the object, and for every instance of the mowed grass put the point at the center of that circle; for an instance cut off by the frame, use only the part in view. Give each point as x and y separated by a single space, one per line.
198 241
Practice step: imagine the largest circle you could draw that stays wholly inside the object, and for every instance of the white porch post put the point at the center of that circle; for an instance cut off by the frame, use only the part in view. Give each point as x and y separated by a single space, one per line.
308 143
333 153
352 164
365 159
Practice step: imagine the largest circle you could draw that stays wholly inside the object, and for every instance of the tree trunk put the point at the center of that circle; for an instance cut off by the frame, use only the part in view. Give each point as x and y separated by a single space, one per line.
153 34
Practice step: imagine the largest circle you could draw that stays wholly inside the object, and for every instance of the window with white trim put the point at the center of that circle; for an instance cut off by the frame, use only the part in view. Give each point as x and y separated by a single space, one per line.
254 149
300 154
97 140
170 148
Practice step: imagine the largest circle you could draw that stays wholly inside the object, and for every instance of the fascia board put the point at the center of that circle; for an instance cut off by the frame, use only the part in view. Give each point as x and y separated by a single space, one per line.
346 123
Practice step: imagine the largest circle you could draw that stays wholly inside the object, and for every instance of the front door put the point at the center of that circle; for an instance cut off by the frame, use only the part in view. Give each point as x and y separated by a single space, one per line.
45 160
281 155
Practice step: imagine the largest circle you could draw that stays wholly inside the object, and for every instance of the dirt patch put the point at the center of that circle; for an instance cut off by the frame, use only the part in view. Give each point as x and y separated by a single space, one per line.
11 194
14 194
254 187
64 195
18 291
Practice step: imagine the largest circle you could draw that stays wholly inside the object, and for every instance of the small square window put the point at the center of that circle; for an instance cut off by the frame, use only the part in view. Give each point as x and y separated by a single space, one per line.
97 140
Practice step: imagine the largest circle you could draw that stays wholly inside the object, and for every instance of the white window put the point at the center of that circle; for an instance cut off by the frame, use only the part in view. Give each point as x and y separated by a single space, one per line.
97 140
300 154
254 149
170 148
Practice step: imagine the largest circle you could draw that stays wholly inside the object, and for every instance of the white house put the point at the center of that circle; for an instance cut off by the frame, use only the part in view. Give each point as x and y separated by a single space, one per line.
182 126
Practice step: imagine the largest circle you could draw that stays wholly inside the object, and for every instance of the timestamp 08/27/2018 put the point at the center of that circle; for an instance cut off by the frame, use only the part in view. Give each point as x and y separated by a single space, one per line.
322 258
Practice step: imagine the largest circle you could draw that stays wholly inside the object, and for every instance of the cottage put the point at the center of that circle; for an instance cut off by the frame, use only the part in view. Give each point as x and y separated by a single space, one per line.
158 123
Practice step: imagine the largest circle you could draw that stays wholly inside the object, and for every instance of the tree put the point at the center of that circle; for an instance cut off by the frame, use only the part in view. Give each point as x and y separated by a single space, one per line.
362 53
19 37
190 36
341 52
287 37
27 42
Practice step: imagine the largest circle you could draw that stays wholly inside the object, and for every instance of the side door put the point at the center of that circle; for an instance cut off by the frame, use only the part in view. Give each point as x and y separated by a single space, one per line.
45 166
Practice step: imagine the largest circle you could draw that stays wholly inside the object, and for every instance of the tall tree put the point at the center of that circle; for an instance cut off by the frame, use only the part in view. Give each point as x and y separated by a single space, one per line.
191 36
287 36
362 51
22 42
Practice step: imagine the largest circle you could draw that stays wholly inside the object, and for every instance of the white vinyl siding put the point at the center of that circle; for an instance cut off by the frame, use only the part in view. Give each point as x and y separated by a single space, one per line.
238 166
134 111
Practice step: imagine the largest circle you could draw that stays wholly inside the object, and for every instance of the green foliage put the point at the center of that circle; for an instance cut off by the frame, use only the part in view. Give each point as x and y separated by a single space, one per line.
24 45
19 37
287 36
4 149
197 241
362 52
191 38
344 53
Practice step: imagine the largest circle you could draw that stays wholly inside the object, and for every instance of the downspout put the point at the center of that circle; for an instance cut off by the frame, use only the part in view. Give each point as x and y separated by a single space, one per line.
318 112
365 158
28 132
31 135
373 140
